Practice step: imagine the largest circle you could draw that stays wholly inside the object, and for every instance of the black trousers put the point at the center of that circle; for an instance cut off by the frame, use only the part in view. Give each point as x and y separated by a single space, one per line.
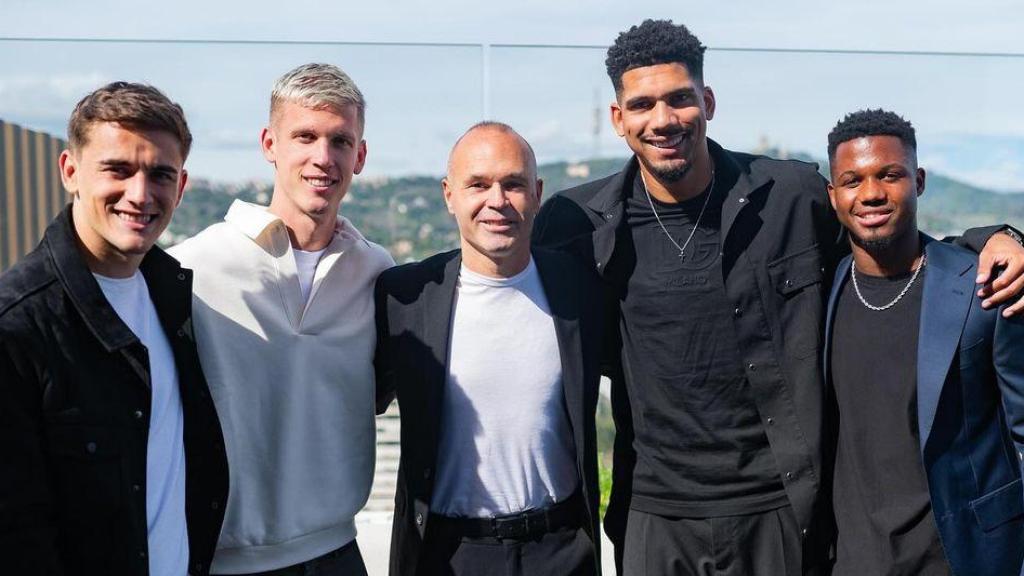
345 561
563 552
763 544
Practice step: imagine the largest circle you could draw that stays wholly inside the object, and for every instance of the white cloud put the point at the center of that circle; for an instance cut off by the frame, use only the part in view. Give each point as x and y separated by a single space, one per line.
45 102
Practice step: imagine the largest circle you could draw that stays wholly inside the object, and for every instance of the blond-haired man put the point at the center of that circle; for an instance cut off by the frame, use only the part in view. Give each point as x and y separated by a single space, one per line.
284 322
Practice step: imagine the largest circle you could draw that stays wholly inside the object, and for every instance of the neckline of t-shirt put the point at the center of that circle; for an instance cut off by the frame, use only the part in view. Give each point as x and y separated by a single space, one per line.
884 280
465 274
640 196
118 282
309 254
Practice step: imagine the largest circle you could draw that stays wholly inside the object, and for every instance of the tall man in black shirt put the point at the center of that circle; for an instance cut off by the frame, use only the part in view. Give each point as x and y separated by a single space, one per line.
718 265
929 386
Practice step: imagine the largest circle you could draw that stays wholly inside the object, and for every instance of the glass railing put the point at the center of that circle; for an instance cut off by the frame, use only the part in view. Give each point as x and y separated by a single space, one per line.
422 96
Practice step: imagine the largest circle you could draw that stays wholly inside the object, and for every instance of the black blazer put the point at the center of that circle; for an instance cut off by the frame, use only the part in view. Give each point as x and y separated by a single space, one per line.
414 310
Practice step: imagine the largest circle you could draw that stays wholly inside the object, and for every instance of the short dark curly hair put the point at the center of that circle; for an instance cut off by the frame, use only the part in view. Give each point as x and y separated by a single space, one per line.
871 123
654 42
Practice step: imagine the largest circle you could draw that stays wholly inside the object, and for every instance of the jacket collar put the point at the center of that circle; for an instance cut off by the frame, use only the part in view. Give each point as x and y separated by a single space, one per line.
737 179
561 289
945 302
948 290
438 305
610 197
608 203
164 278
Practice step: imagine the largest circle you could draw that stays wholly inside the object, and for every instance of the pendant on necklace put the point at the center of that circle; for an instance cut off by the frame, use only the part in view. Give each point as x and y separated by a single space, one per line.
682 255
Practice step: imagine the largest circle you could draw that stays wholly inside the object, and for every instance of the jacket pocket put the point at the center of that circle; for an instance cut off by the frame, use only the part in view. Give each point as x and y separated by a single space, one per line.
973 354
85 463
797 282
794 272
999 506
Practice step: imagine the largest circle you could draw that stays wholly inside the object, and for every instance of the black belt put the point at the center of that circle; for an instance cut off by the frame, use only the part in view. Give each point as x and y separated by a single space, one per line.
565 514
303 568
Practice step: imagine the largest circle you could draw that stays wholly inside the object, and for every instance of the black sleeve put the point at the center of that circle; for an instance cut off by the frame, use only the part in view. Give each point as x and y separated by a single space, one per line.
831 235
28 535
623 463
559 223
383 369
541 236
974 239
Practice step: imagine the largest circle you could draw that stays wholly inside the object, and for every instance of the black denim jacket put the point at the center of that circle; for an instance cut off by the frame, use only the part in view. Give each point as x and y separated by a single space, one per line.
74 418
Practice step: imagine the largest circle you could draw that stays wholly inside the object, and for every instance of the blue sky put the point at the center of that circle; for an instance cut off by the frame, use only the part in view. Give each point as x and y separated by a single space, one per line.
421 97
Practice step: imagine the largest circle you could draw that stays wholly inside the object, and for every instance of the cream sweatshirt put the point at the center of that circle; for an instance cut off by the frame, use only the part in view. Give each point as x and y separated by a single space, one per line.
292 381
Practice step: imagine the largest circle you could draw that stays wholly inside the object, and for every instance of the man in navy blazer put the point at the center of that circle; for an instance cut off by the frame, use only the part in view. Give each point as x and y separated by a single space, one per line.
927 386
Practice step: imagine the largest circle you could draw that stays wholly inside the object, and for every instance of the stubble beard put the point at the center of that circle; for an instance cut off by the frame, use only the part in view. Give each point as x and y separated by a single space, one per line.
876 244
879 246
670 173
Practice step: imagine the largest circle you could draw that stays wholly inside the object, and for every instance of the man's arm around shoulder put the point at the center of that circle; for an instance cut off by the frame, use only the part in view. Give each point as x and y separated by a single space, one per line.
383 368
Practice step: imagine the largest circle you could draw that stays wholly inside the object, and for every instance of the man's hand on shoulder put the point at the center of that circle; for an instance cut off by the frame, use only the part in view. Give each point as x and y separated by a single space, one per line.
1001 273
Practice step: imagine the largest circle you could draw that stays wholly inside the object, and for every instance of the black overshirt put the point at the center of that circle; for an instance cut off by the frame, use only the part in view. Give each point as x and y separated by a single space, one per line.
701 446
882 505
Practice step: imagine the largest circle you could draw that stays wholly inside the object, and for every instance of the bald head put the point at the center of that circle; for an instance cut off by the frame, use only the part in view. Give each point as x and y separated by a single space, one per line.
483 131
493 191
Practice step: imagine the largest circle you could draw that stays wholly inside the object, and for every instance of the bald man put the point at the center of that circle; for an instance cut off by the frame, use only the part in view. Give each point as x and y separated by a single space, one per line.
492 351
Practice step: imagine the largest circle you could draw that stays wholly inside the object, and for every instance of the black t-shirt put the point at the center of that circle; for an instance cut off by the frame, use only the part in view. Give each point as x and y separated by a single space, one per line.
882 505
701 447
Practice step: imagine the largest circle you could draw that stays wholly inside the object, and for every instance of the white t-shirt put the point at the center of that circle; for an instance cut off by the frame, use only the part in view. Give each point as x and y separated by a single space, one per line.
165 451
305 268
506 443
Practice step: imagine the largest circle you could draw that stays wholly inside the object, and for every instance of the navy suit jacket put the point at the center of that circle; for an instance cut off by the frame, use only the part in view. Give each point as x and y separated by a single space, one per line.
970 407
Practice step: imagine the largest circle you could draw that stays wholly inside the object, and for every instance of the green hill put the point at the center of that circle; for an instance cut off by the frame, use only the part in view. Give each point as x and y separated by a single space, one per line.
408 216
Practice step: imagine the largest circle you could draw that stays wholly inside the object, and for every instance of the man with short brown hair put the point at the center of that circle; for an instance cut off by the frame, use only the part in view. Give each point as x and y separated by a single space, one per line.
115 458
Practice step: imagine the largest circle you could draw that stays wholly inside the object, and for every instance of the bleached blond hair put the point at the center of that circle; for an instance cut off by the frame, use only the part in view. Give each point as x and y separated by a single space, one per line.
318 86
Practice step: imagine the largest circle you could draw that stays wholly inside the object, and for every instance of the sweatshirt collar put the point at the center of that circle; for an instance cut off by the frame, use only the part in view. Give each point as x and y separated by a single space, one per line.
255 220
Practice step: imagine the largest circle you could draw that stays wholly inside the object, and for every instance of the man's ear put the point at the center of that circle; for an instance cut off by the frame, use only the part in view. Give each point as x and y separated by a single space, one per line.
69 171
181 187
447 191
832 196
267 144
360 157
920 178
616 116
708 95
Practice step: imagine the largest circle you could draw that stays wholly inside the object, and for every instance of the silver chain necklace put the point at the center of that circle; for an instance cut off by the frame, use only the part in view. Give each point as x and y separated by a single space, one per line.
856 288
682 249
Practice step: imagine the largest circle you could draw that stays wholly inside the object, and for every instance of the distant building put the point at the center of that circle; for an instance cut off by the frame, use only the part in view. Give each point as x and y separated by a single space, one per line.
577 170
30 190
